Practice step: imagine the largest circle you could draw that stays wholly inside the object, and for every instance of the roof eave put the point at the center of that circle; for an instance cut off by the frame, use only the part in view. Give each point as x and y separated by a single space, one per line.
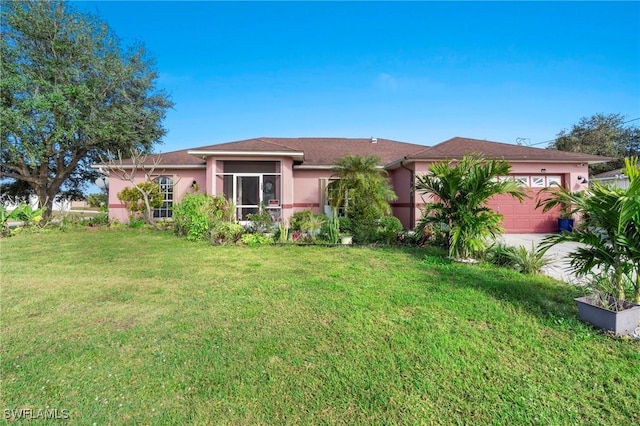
322 166
210 153
519 160
149 166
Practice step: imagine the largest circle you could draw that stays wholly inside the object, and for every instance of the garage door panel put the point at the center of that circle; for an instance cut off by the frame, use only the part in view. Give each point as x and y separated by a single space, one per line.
524 217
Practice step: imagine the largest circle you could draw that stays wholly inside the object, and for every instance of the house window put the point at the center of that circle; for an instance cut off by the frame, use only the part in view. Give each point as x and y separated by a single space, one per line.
554 180
166 188
522 181
537 181
331 194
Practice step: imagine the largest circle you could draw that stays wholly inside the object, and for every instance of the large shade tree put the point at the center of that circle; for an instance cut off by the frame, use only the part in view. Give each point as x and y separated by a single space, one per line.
611 135
69 94
457 196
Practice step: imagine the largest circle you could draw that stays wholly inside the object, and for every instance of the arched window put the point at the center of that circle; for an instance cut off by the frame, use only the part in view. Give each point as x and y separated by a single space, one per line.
166 187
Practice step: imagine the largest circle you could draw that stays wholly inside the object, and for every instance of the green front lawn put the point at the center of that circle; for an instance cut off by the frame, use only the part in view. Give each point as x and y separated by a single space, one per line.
141 327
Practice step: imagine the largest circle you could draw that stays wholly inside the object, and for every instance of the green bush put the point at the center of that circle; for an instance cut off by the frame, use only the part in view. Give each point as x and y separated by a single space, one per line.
254 240
346 225
282 233
197 215
97 200
499 254
225 233
101 219
133 199
260 222
388 229
526 261
298 219
23 213
364 223
529 261
136 222
308 224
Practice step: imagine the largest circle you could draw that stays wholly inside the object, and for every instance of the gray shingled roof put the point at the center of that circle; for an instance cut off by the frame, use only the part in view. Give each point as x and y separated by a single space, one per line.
456 148
609 174
325 151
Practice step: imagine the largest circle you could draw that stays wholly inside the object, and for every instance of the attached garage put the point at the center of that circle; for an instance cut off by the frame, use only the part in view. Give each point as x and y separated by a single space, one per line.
533 168
523 217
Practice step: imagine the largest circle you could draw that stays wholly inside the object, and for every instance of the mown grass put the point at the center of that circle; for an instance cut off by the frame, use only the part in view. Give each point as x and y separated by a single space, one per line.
139 327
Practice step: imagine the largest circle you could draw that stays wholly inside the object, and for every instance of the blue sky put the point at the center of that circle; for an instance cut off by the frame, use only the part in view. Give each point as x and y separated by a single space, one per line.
418 72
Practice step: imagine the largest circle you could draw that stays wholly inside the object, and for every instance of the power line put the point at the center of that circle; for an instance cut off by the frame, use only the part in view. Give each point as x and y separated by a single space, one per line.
586 131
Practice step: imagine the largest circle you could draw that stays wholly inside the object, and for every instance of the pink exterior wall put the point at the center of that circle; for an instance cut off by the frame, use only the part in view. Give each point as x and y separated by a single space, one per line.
301 189
306 189
182 178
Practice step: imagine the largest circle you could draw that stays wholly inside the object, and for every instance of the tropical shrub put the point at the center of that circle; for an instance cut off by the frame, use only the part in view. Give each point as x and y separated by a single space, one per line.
362 191
197 215
388 229
282 233
313 225
609 231
260 222
345 225
101 219
528 261
23 213
254 240
499 254
307 225
458 201
299 219
136 222
141 199
222 233
97 200
332 228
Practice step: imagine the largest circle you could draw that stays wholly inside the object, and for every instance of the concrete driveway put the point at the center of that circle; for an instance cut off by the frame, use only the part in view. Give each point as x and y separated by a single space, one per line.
559 267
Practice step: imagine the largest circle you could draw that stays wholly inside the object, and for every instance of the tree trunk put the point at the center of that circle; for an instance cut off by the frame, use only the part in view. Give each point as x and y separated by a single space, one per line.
46 197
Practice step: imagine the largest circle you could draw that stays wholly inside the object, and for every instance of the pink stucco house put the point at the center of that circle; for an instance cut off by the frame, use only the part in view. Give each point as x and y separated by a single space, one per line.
291 174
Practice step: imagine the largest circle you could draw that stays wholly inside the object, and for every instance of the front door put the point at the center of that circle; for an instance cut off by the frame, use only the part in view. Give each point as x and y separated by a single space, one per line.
247 195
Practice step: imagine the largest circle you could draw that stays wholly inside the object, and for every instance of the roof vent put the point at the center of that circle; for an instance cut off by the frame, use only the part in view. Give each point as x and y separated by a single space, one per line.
374 140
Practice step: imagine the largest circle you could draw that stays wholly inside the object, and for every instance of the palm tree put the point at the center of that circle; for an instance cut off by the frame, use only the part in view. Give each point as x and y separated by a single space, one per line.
362 190
609 230
459 195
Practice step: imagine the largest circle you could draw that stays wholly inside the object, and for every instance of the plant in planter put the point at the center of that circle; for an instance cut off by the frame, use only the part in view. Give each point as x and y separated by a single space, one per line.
609 234
605 311
346 230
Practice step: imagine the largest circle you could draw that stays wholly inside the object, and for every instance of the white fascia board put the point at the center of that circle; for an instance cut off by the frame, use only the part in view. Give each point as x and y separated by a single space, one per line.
149 166
397 163
249 153
438 160
313 167
321 167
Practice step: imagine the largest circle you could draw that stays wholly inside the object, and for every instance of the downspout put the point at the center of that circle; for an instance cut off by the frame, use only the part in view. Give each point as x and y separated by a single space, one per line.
412 198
